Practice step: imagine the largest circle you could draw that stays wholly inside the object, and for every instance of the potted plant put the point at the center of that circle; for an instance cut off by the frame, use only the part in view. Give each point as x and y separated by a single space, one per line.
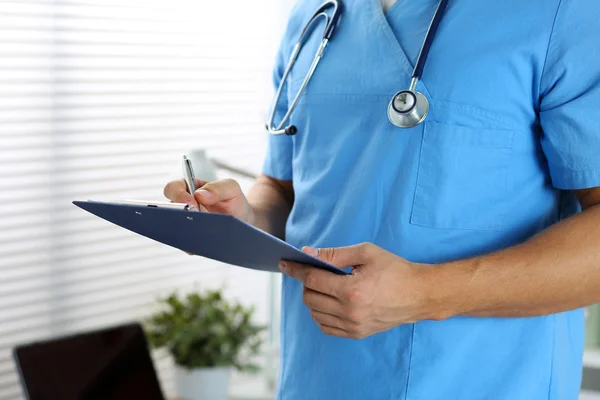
207 337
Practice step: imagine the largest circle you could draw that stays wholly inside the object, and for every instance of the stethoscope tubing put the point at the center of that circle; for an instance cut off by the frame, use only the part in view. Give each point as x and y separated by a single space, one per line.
431 33
407 118
330 25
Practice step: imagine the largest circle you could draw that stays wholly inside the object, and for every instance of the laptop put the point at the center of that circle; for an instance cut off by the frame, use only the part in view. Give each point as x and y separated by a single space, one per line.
113 363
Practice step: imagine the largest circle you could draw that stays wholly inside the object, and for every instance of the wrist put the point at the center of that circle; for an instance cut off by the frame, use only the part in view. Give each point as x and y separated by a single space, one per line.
447 289
252 216
258 217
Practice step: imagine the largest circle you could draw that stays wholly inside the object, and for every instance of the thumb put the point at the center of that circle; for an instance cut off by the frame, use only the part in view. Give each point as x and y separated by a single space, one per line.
216 192
341 257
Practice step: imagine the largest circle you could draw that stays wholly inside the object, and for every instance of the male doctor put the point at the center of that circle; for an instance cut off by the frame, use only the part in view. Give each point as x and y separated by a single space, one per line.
474 237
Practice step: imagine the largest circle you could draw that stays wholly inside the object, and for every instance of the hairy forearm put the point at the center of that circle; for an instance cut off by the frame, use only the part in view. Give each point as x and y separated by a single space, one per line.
271 202
555 271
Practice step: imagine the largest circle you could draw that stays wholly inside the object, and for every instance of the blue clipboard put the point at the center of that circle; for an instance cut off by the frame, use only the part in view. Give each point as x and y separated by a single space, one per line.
217 236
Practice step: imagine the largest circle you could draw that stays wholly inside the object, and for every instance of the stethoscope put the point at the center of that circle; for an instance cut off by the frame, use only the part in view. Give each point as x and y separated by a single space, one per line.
407 109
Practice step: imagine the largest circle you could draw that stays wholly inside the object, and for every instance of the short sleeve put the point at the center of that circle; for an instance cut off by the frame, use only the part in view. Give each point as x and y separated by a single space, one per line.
570 96
278 161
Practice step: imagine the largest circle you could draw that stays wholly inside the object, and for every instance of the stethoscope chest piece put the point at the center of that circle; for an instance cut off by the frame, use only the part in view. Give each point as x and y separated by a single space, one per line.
408 109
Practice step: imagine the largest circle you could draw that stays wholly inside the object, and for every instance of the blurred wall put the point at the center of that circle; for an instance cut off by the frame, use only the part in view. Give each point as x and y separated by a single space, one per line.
98 100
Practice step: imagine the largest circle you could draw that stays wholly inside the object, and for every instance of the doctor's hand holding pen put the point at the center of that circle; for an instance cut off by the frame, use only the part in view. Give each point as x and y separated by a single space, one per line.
224 196
267 205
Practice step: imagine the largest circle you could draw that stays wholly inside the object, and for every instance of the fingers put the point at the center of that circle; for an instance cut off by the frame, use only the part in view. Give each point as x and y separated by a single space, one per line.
199 183
351 329
333 331
320 302
343 257
316 279
207 194
327 319
330 324
334 326
176 191
214 192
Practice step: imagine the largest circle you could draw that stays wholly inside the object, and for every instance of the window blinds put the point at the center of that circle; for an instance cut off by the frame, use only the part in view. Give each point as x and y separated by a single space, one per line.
98 100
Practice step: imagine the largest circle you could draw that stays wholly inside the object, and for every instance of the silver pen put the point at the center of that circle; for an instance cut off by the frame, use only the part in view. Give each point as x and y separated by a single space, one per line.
188 173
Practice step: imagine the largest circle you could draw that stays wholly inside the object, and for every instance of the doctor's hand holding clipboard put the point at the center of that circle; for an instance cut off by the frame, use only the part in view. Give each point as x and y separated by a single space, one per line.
270 200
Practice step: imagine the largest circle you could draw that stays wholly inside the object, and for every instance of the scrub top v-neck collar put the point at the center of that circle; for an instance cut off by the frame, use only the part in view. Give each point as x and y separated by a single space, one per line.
388 4
402 58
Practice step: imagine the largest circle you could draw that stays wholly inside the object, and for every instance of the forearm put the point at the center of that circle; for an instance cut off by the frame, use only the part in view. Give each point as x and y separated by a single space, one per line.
555 271
271 202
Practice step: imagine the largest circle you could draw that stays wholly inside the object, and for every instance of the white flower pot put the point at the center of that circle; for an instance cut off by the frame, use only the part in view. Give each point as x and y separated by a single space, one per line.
202 383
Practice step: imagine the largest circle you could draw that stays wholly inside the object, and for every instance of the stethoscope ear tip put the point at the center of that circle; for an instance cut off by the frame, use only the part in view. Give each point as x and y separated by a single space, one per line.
291 130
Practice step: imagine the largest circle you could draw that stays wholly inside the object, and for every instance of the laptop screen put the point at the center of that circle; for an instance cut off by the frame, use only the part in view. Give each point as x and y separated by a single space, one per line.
110 364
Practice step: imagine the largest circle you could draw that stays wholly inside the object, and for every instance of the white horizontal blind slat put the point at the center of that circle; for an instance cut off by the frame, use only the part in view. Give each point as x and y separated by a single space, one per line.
99 99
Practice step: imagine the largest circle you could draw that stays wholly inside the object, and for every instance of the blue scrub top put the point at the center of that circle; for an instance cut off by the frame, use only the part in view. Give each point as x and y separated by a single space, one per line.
514 125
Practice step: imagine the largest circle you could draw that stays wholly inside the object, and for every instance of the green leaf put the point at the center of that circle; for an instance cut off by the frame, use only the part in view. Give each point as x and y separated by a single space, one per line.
205 330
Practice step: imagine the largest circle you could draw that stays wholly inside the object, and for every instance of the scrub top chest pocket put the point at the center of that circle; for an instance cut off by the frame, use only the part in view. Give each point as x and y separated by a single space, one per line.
462 178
